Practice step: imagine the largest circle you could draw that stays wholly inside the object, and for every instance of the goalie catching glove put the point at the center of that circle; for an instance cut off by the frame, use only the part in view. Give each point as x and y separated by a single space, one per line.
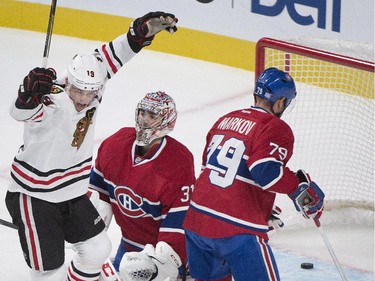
308 199
142 30
157 264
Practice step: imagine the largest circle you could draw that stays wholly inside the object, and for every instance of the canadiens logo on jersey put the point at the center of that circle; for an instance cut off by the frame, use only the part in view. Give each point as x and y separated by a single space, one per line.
129 203
82 128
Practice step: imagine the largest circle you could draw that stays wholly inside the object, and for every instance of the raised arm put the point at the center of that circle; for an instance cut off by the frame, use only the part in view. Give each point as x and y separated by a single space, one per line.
140 34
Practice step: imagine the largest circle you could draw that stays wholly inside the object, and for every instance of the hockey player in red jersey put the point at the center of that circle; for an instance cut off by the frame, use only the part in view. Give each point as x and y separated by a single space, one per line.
244 166
147 177
50 174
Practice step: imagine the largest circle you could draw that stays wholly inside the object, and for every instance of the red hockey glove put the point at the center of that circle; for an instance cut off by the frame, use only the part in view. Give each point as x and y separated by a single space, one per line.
142 30
36 84
308 199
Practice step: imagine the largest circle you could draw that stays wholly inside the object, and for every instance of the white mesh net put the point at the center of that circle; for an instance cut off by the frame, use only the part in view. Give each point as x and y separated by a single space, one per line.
333 120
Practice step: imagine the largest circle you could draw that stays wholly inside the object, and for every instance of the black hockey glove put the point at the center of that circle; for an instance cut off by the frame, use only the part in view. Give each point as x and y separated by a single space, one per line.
142 30
36 84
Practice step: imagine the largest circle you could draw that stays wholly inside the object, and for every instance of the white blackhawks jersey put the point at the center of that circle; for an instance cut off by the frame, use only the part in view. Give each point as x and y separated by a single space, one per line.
54 162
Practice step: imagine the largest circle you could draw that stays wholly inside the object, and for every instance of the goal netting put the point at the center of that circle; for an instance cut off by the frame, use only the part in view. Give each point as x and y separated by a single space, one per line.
333 118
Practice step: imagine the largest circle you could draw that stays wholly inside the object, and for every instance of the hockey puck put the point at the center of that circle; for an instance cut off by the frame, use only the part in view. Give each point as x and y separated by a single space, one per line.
307 265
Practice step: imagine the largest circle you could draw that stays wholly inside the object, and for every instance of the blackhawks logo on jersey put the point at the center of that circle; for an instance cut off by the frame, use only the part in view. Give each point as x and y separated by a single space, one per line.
82 127
56 89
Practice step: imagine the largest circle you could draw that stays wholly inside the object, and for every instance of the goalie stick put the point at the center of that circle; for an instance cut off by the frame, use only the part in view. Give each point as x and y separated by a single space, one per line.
49 33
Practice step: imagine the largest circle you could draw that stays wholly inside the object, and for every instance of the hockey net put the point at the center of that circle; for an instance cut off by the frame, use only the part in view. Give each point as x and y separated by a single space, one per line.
333 119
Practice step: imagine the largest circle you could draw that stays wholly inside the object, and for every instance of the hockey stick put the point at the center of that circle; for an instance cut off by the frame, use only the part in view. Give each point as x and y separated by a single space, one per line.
49 33
8 224
330 249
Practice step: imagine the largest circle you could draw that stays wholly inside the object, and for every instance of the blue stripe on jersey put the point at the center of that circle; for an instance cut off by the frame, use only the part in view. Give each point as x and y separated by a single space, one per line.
153 209
97 181
266 172
227 218
129 203
174 218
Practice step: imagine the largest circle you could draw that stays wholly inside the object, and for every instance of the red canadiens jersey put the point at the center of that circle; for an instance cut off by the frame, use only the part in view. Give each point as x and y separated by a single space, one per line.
243 167
149 197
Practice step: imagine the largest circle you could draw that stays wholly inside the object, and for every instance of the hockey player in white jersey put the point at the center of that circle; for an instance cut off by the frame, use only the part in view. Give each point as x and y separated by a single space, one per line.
47 195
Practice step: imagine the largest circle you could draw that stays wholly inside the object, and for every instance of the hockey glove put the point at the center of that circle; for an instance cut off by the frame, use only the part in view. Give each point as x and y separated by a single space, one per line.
142 30
157 264
36 84
308 199
274 222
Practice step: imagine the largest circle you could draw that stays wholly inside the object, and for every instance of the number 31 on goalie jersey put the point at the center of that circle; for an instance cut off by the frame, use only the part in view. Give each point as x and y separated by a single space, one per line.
226 161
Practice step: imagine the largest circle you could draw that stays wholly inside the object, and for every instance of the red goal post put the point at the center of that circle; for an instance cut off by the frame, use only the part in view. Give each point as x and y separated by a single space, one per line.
333 119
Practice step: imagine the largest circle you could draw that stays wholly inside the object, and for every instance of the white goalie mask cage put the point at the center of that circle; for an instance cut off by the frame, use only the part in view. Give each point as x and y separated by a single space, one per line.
87 72
163 108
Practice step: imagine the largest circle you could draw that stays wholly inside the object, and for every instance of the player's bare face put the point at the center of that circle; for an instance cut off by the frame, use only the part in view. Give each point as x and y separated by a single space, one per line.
147 119
81 98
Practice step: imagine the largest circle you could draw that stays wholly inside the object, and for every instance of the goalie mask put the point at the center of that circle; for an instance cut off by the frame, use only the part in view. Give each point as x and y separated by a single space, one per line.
155 117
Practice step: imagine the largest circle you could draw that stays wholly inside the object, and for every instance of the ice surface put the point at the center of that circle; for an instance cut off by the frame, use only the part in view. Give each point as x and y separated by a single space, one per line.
203 92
